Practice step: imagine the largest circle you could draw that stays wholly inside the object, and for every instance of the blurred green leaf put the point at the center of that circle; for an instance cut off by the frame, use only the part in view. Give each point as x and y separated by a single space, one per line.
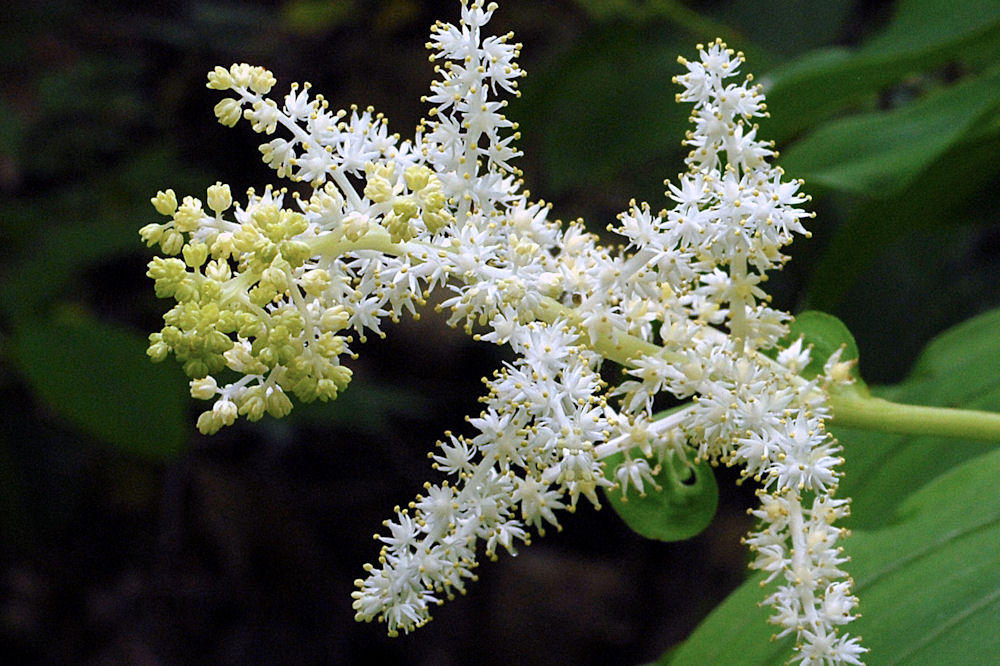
954 190
682 509
89 112
54 263
312 17
699 24
98 378
782 27
959 368
928 584
878 154
12 131
578 107
370 407
922 34
65 231
934 26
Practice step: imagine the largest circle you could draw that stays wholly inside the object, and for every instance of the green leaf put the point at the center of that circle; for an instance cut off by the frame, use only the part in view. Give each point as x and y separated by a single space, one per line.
930 26
963 178
826 334
923 34
694 22
98 379
365 406
314 17
683 508
77 226
574 109
959 368
786 28
878 154
928 585
926 517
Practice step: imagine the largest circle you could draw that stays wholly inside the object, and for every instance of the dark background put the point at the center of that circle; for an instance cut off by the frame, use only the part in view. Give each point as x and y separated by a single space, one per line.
167 547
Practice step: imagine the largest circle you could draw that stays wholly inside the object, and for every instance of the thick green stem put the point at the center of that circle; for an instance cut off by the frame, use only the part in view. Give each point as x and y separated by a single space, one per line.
855 410
376 238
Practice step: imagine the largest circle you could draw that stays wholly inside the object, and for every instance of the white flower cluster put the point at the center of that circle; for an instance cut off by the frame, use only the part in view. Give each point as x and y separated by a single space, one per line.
274 293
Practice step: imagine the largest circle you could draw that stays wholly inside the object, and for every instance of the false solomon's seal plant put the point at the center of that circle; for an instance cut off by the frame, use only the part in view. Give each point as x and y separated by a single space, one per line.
279 287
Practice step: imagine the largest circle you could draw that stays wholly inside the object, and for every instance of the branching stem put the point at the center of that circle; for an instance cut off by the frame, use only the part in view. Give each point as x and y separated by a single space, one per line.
853 409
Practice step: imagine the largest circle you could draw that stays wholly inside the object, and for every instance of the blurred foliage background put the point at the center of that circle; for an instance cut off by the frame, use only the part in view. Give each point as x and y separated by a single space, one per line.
129 538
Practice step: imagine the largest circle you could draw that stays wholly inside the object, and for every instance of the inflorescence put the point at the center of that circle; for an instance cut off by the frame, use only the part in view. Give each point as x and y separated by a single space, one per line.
278 288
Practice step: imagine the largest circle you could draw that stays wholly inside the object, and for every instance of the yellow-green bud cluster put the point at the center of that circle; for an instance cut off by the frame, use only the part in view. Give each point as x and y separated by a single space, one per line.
248 300
418 197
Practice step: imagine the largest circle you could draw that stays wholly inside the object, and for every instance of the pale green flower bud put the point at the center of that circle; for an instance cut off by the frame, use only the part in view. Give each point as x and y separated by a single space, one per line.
171 335
263 116
166 270
217 343
225 411
278 404
399 228
218 270
229 111
405 207
219 79
196 367
240 73
341 375
186 290
432 197
204 388
222 246
335 319
330 345
315 281
417 177
295 223
172 242
261 80
210 290
189 216
165 202
251 403
208 424
274 278
239 359
220 198
158 349
435 221
326 389
295 252
379 186
195 254
151 234
266 217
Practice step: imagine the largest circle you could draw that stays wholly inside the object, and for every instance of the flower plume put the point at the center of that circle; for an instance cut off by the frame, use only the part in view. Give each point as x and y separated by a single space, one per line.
279 288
